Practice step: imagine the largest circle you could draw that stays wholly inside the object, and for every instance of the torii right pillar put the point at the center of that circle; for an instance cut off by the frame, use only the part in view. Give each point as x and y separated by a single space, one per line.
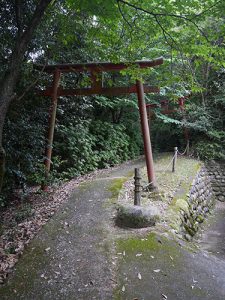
146 134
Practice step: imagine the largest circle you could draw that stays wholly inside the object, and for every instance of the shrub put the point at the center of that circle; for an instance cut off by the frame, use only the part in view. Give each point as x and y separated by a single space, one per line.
209 150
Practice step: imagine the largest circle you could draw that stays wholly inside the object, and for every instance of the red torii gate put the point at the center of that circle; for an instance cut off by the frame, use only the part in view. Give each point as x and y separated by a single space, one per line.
96 69
164 105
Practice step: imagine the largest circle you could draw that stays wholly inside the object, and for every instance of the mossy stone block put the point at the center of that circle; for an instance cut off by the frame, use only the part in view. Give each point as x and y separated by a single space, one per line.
136 216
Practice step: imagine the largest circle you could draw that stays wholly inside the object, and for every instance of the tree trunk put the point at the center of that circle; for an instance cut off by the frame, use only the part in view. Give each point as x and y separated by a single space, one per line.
9 80
6 96
3 111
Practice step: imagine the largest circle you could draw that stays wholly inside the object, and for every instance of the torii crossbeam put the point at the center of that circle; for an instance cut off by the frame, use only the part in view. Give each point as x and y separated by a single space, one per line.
96 69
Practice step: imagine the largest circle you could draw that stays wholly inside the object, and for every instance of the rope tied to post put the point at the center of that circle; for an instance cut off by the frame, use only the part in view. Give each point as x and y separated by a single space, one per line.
172 162
163 172
185 150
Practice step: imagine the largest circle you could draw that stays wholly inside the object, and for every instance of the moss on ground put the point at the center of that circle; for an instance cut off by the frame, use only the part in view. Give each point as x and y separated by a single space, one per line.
144 254
116 187
180 204
152 242
25 274
137 244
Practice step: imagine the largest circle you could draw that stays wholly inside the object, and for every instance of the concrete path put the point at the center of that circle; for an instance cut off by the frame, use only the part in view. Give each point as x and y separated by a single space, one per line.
80 255
155 268
71 257
212 236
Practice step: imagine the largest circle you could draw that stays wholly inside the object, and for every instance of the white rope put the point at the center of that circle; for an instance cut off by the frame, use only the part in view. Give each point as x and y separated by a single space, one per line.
185 150
146 186
167 167
168 164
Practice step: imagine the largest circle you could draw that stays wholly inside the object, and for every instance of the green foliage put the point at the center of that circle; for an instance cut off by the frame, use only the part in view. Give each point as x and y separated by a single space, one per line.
87 146
75 149
24 140
96 132
112 143
207 150
167 120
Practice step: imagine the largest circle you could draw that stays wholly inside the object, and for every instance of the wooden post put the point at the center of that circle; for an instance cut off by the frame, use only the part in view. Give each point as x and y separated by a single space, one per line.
146 134
174 159
188 147
52 117
137 187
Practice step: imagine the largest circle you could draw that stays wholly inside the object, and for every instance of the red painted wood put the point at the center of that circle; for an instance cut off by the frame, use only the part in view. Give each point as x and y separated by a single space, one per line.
98 66
115 91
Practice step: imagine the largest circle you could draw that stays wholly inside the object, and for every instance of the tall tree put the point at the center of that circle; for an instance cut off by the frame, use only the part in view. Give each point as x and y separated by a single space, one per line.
22 29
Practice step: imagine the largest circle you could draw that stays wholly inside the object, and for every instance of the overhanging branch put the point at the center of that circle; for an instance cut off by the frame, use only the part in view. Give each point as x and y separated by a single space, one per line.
186 18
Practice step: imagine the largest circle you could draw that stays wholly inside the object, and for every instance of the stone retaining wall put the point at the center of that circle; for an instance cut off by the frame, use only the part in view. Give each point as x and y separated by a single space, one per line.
192 208
217 173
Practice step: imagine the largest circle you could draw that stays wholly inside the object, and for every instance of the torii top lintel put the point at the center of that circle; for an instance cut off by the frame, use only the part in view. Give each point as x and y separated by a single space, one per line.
98 66
95 68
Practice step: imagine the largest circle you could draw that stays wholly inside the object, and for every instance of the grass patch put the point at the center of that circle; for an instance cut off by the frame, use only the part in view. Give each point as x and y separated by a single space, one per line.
116 187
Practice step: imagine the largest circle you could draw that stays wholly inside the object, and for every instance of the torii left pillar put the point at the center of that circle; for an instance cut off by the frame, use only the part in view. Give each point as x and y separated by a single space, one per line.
52 117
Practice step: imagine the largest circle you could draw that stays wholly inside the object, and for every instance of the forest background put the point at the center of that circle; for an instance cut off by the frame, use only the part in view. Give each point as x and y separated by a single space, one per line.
97 131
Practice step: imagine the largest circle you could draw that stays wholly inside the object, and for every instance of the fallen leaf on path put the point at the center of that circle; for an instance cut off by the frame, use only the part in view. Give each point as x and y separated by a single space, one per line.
58 273
43 276
157 270
139 254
